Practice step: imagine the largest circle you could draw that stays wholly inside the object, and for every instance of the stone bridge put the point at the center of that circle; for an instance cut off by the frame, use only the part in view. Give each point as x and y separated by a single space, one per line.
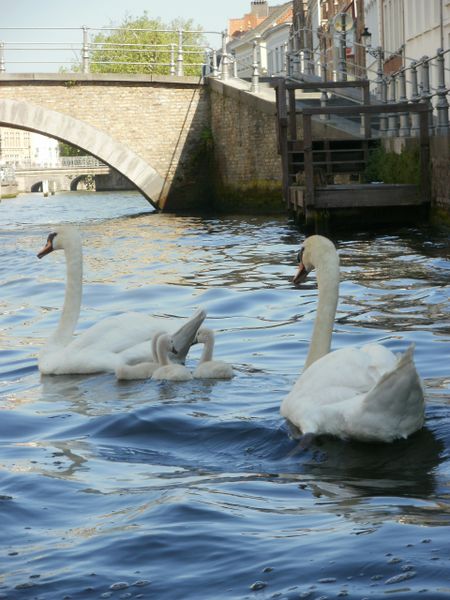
59 178
149 129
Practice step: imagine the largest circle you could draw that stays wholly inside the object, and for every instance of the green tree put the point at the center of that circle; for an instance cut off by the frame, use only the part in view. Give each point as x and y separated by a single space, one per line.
68 150
145 45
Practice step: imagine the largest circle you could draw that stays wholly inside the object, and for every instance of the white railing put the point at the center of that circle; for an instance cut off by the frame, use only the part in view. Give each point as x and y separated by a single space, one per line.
87 49
63 162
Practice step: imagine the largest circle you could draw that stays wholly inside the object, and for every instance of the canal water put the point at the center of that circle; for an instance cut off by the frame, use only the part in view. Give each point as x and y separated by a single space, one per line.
195 490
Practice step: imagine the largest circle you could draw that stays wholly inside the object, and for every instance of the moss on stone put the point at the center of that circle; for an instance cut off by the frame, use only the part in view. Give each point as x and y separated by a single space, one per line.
263 196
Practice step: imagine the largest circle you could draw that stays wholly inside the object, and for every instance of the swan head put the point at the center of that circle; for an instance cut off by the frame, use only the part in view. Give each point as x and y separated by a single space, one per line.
316 249
204 336
59 239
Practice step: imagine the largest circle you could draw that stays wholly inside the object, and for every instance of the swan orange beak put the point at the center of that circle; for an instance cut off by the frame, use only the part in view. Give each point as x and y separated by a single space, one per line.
301 274
46 249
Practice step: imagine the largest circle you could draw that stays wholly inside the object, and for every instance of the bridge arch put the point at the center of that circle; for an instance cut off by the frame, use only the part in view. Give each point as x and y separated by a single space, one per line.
25 115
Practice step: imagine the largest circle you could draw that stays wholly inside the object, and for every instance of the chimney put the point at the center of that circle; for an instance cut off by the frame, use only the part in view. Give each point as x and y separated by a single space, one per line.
260 8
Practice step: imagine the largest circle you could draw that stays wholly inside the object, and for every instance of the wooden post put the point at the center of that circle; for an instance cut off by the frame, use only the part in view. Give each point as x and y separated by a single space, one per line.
292 115
282 135
367 125
309 168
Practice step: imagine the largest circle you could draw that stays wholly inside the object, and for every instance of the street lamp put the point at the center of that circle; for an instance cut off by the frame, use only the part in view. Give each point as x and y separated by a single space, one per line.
366 39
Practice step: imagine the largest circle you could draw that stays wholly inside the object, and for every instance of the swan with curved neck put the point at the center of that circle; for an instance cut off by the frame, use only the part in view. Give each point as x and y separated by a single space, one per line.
141 370
111 342
207 367
167 370
366 393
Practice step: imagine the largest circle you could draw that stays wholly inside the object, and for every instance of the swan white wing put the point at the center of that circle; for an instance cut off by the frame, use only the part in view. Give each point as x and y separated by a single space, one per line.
343 373
354 401
117 333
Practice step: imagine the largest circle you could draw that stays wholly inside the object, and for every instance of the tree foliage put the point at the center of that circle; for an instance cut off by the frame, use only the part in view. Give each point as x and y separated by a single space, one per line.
146 45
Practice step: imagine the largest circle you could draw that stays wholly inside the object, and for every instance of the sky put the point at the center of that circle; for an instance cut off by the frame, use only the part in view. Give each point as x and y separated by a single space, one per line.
211 15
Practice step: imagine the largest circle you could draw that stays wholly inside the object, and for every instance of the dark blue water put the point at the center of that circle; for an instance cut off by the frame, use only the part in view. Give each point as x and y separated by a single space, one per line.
195 490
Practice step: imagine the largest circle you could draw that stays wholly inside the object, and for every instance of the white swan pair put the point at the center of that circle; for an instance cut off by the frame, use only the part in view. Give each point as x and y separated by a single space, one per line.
110 343
161 368
366 393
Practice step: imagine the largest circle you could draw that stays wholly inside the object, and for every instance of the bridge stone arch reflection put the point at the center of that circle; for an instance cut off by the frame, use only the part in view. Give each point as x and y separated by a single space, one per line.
26 115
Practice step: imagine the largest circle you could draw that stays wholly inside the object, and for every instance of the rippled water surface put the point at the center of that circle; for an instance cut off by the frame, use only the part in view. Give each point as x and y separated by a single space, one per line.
195 490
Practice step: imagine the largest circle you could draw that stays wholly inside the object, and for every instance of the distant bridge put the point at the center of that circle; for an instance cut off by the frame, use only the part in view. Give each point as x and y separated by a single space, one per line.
65 175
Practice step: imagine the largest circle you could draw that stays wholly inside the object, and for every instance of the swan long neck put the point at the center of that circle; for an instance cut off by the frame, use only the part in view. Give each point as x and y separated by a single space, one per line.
72 297
327 268
208 349
162 346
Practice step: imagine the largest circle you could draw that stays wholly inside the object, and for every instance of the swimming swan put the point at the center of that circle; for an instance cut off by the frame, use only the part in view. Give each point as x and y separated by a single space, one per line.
141 370
207 367
366 393
168 371
113 341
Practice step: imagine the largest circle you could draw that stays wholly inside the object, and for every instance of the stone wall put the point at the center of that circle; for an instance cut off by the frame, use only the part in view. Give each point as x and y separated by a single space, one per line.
244 132
440 171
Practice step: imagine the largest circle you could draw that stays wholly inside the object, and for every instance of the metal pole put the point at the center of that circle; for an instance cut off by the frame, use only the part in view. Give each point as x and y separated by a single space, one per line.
180 71
172 59
224 60
255 67
441 92
380 71
2 57
342 74
392 118
235 65
383 116
85 51
404 117
286 60
215 70
415 97
426 93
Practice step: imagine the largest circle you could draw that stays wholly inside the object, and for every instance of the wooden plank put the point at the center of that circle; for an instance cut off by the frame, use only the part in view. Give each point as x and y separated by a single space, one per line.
364 108
309 169
363 196
292 115
304 85
282 136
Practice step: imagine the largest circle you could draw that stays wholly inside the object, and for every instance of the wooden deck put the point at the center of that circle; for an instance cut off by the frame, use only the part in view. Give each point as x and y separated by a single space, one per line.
311 164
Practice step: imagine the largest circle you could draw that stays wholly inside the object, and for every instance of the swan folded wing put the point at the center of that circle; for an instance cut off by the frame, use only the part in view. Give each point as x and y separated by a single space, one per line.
393 408
117 333
344 373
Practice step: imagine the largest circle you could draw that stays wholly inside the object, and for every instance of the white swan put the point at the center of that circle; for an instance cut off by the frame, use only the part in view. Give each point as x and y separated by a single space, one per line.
142 370
207 367
168 371
365 393
116 340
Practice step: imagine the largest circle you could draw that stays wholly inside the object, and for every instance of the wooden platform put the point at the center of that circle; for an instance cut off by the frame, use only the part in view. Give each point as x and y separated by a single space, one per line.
358 195
311 167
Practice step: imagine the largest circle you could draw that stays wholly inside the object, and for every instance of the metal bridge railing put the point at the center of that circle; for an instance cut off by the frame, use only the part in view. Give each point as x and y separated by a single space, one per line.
86 50
63 162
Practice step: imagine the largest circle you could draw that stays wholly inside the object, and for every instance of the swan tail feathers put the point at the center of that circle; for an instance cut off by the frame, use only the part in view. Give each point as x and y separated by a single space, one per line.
399 396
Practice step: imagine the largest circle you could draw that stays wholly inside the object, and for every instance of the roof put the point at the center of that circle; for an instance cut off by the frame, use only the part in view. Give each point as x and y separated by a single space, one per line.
276 14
